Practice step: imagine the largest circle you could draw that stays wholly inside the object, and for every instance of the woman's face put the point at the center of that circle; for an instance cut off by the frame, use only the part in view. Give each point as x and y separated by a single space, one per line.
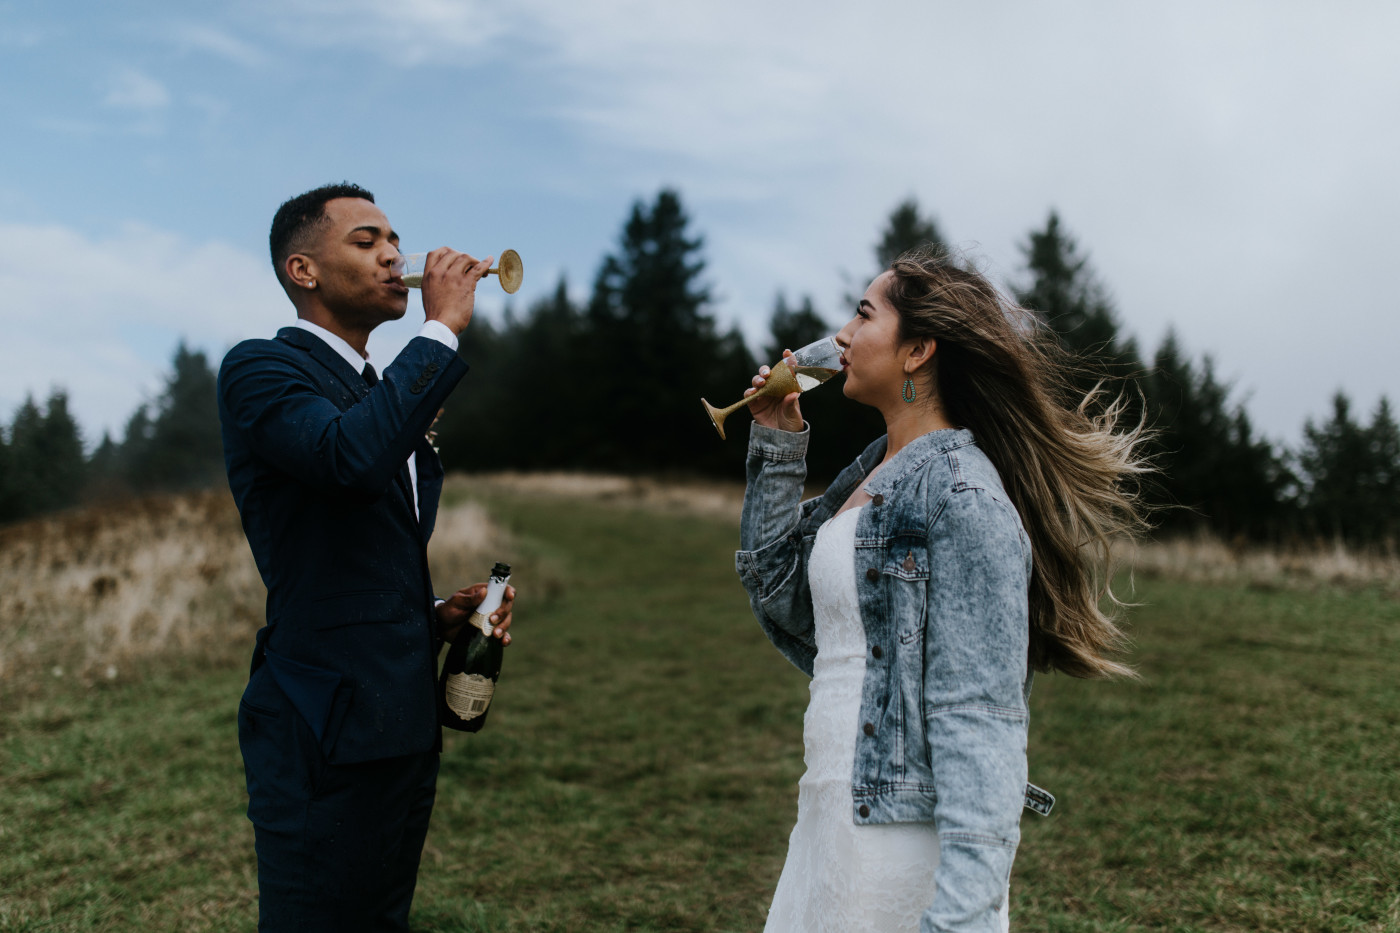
871 349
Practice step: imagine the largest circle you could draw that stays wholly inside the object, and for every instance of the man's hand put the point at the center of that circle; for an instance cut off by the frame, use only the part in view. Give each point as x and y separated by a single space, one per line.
453 613
449 286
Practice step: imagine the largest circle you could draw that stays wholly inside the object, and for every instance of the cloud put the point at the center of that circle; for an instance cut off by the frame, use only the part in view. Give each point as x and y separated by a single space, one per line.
407 33
100 316
207 39
129 89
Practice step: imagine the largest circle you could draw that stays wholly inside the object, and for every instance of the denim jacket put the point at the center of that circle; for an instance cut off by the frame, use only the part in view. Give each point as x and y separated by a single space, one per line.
942 569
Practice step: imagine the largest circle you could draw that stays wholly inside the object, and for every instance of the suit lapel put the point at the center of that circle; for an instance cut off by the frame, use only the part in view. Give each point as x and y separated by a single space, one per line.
346 377
334 365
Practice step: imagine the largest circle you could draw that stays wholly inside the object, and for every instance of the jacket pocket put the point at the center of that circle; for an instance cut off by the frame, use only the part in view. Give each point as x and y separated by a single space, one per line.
352 609
906 557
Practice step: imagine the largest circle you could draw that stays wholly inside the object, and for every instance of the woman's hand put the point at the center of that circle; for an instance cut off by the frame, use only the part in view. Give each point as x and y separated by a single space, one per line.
783 414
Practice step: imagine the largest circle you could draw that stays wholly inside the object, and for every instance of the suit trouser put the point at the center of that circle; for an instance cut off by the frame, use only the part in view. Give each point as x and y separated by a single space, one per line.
337 845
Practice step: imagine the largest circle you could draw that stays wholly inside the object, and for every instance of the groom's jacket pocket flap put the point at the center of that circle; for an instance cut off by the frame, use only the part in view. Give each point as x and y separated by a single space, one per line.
352 609
312 691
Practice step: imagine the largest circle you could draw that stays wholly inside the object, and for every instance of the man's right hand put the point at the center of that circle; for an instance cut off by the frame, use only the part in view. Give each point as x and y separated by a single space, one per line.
449 286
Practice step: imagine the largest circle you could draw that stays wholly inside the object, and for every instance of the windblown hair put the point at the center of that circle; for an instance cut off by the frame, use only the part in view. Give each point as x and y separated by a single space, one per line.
299 219
1068 466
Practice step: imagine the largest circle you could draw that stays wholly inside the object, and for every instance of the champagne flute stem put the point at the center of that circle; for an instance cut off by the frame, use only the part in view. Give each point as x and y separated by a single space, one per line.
779 384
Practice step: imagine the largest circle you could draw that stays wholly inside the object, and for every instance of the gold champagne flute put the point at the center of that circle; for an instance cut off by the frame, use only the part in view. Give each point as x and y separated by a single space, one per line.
510 269
804 370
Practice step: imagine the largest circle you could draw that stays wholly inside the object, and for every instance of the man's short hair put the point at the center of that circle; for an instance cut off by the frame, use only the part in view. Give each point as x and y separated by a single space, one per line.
299 219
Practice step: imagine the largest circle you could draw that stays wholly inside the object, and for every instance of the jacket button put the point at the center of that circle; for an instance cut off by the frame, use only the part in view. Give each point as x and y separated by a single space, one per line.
876 652
869 728
872 575
909 563
864 810
878 499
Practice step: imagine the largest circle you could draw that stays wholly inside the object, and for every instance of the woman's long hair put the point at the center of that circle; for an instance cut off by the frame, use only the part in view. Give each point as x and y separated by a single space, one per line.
1068 466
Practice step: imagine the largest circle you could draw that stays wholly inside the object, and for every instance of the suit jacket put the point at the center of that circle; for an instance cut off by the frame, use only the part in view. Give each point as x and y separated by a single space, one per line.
317 462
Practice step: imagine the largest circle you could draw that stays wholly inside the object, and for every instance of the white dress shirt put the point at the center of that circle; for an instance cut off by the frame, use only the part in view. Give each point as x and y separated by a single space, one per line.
435 330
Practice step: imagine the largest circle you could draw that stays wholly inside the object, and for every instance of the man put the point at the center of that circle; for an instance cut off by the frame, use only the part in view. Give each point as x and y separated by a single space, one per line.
338 490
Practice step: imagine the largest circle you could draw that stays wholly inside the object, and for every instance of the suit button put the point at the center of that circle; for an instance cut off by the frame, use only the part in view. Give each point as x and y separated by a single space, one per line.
864 810
876 652
872 575
878 499
868 728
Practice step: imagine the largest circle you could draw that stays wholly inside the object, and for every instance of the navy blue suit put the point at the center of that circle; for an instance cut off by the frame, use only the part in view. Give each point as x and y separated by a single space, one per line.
338 724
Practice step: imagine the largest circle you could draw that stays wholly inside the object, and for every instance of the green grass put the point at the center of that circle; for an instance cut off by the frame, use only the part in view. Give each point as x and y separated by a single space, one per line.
639 768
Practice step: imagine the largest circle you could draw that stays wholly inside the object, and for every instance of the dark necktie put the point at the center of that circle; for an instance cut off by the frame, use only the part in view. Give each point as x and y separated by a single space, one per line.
370 376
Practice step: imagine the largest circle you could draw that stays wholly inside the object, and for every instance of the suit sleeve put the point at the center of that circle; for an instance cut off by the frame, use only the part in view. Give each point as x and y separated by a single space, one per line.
276 407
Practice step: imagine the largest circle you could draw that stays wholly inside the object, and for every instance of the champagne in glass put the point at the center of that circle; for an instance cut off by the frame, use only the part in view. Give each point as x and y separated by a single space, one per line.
803 371
510 269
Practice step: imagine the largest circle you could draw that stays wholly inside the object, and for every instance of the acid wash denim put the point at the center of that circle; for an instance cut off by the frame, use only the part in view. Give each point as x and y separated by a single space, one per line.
942 568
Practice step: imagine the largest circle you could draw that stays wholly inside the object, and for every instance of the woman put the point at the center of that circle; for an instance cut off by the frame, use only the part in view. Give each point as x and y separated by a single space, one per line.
908 592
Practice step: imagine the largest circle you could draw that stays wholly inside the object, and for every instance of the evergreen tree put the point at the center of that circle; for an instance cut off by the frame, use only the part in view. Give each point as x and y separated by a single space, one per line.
6 477
1068 297
104 470
184 448
134 452
906 229
1349 474
1207 454
518 407
792 328
1385 453
44 462
654 349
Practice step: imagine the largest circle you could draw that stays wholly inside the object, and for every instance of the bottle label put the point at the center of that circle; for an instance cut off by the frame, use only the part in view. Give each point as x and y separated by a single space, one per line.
468 695
483 622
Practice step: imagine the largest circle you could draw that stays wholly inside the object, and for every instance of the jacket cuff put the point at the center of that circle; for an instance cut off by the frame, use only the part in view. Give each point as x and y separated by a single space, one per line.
777 444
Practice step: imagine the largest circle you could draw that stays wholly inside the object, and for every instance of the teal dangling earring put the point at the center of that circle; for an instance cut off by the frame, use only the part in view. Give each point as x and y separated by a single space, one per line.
908 393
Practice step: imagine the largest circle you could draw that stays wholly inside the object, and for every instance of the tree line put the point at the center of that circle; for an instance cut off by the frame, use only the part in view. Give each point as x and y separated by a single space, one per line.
614 384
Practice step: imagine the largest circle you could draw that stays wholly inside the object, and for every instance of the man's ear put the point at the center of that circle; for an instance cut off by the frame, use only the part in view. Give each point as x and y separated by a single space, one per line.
301 270
920 355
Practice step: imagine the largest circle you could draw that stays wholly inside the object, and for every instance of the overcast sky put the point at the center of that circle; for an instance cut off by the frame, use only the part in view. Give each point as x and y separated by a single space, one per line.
1229 168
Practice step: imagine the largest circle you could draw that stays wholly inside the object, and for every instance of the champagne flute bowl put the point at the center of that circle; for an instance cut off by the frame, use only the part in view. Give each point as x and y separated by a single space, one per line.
509 269
806 369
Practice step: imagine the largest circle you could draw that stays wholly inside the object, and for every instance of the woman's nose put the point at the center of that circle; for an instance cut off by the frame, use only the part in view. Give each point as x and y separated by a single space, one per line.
844 337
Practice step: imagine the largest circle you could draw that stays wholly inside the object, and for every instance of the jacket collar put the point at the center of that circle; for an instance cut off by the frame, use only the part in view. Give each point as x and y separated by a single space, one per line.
326 355
915 454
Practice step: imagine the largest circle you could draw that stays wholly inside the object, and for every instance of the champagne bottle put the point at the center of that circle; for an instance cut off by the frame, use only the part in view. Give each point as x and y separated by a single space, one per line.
473 663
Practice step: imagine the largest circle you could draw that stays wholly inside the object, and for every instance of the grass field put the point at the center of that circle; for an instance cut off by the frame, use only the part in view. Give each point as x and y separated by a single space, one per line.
639 770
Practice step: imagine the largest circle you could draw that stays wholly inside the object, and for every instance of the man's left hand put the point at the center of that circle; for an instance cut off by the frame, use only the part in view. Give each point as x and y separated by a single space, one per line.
454 612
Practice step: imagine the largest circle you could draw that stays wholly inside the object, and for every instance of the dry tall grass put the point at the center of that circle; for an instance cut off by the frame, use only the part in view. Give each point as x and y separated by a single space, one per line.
86 593
1205 559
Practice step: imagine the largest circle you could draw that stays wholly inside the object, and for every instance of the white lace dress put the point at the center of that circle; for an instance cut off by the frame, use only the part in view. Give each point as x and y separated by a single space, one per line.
840 877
